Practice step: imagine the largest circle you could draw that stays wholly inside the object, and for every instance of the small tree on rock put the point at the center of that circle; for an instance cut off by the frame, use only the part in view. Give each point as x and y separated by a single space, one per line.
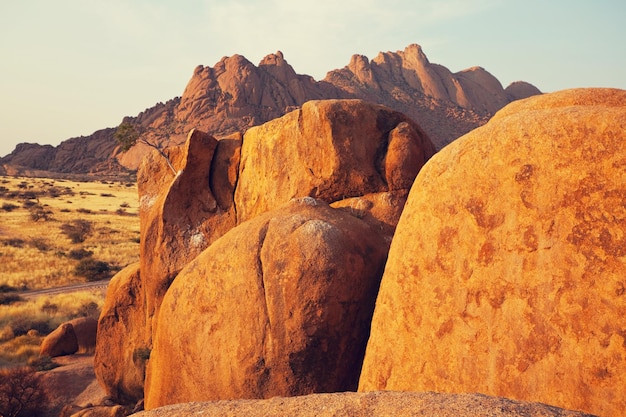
128 136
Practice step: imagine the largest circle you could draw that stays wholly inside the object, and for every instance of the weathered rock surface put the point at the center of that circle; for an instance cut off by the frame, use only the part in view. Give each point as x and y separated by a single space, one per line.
279 305
123 345
180 215
235 95
73 382
371 404
61 341
506 275
331 150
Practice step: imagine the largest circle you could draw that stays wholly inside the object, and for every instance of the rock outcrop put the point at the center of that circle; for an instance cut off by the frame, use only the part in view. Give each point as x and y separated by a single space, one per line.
371 404
282 306
86 329
180 215
506 274
234 95
364 158
74 336
61 341
331 150
123 344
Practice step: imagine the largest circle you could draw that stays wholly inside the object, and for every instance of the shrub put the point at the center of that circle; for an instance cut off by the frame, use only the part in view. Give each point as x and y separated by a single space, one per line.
92 269
40 243
14 242
89 309
29 195
106 195
42 363
9 207
6 299
141 354
22 325
78 230
79 254
21 392
39 212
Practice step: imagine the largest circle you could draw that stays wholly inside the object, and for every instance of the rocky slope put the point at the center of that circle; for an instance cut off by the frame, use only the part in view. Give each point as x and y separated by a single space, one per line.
235 95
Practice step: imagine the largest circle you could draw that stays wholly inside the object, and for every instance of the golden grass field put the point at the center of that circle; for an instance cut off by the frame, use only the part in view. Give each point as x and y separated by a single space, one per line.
36 253
37 218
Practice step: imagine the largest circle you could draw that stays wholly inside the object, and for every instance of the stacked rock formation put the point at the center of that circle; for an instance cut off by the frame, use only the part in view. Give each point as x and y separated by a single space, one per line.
507 273
250 284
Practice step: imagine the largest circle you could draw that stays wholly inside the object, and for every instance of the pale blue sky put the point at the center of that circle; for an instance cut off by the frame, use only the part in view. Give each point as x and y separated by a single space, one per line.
70 67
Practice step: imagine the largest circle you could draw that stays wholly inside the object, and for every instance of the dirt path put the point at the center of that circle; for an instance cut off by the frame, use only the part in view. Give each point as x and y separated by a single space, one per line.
87 286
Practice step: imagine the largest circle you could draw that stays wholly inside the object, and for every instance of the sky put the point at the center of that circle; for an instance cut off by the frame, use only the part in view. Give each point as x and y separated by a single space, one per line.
71 67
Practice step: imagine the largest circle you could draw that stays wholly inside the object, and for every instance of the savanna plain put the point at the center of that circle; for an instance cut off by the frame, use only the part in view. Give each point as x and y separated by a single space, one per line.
55 233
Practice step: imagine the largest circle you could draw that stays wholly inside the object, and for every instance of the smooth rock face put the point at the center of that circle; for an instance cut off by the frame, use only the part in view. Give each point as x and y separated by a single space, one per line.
507 273
122 346
371 404
85 329
280 305
331 150
61 341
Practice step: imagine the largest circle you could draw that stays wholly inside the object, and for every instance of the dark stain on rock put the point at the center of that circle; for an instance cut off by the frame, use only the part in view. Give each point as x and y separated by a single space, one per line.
487 221
525 173
530 239
486 253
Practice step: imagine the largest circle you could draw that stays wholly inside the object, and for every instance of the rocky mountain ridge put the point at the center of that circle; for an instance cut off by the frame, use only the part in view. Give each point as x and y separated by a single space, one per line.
235 95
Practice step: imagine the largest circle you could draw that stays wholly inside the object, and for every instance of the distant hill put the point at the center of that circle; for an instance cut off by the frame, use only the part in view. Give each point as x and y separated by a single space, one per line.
235 95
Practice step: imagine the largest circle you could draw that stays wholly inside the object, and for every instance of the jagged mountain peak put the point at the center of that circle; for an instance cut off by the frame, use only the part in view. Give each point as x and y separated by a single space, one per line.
235 95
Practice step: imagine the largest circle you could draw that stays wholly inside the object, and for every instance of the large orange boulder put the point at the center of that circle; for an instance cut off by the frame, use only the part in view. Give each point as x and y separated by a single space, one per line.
60 342
330 150
122 345
280 305
507 273
183 212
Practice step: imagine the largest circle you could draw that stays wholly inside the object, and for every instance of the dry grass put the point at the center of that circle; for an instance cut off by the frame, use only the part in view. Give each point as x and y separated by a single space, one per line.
34 251
24 324
37 252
